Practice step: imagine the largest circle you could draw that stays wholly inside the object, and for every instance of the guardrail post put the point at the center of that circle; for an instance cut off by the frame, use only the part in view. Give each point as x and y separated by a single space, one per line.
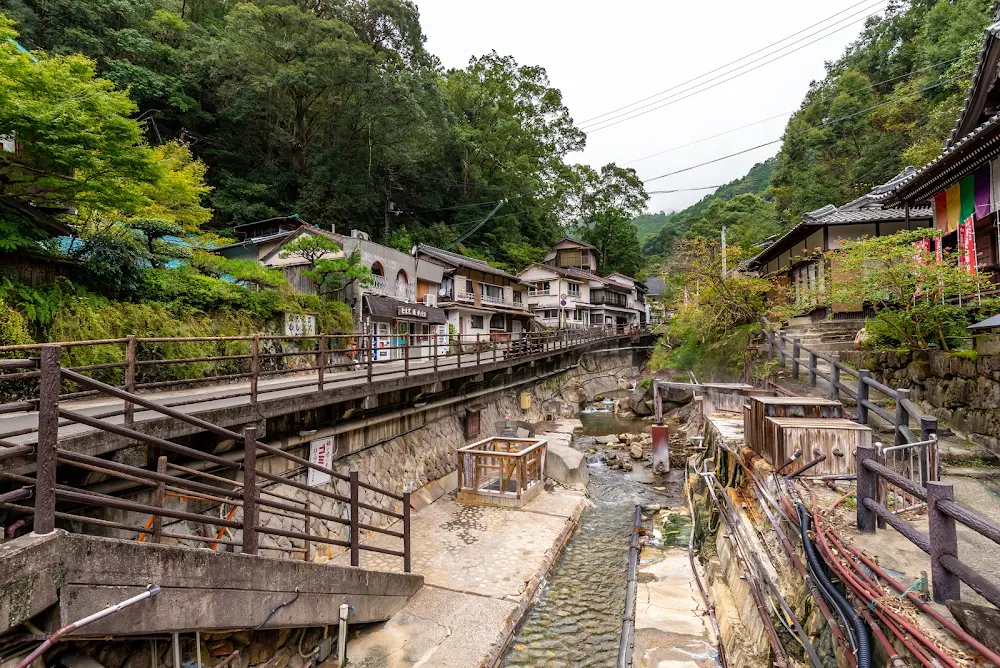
862 396
321 362
250 490
867 483
48 438
770 344
160 500
796 351
371 355
902 416
943 540
434 350
406 354
881 486
834 393
130 350
355 553
928 453
781 348
254 367
458 351
406 533
479 349
812 369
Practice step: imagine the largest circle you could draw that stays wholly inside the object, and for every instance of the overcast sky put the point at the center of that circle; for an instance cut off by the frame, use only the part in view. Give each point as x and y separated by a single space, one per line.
603 54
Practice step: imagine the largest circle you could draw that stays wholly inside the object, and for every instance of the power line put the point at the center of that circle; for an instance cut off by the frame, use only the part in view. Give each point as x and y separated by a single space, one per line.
587 121
660 104
802 132
681 190
480 224
785 113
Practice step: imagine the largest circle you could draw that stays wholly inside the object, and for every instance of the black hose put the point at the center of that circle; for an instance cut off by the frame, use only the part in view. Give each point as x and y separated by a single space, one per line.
864 651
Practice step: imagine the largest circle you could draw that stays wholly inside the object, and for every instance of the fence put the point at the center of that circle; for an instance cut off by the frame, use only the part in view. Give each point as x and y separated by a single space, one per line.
947 571
244 490
914 454
501 471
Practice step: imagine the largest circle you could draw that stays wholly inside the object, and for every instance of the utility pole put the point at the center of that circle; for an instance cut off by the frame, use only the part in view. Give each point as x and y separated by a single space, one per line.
723 251
385 230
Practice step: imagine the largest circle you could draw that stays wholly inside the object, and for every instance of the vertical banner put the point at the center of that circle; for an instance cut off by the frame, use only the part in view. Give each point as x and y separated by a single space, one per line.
921 249
969 249
320 453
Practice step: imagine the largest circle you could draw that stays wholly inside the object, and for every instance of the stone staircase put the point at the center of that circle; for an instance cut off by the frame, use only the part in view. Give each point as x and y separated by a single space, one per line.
827 336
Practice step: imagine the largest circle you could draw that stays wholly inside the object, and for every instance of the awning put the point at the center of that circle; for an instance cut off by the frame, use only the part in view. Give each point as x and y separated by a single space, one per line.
989 323
387 308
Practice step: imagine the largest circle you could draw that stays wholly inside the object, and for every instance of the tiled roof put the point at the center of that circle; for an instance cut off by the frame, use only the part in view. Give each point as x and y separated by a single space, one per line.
989 41
457 260
870 215
576 241
895 196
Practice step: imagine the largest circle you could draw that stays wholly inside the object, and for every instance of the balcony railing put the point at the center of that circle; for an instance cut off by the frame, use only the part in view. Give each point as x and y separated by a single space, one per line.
380 285
534 292
609 301
484 299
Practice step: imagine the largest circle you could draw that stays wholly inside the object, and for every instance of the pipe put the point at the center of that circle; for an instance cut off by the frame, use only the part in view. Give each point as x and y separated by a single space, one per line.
229 658
860 630
628 619
806 467
151 591
175 647
701 586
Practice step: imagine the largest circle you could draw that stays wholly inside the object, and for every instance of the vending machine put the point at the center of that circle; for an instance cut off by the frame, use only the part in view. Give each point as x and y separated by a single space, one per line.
382 341
441 339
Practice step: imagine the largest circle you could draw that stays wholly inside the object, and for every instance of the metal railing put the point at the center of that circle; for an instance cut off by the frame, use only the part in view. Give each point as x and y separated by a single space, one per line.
947 571
310 362
913 454
247 490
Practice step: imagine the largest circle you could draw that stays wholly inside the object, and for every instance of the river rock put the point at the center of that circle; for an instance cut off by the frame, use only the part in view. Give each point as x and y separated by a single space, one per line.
635 451
566 465
626 466
637 401
610 439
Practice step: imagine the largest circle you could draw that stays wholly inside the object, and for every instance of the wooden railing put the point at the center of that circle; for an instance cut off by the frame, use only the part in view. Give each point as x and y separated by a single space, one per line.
947 571
501 470
239 496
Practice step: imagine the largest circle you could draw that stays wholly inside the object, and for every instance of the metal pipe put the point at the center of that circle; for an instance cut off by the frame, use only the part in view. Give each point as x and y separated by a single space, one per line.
806 467
709 606
628 618
151 591
175 647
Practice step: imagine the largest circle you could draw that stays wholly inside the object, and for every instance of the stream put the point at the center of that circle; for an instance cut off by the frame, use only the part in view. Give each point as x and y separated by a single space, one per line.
577 619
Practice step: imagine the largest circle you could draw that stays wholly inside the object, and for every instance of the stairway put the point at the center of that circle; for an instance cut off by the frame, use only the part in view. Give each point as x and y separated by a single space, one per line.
827 336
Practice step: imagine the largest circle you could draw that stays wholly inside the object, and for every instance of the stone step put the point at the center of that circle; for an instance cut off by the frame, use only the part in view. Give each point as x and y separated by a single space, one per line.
827 326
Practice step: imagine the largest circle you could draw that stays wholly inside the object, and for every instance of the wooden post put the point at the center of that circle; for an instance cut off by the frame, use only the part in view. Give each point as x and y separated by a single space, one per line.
130 351
307 506
796 351
928 453
812 369
250 490
866 489
902 416
48 438
781 348
406 533
458 351
254 368
943 540
770 344
834 393
520 476
160 500
355 552
434 350
321 362
479 348
863 374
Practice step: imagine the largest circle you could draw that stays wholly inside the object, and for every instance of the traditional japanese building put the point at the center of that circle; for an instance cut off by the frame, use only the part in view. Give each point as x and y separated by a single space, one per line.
963 182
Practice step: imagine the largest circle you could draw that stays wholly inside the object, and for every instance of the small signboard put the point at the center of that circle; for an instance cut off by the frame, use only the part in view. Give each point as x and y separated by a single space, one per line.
562 300
321 453
299 324
410 312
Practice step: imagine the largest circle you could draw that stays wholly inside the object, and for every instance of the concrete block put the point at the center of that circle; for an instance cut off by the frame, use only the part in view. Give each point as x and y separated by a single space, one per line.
566 465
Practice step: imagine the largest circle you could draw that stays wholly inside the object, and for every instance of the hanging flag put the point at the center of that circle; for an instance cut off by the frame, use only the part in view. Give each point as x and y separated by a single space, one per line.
969 248
938 250
973 195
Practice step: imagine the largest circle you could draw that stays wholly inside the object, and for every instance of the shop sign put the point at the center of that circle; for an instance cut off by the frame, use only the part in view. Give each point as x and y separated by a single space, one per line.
410 312
320 453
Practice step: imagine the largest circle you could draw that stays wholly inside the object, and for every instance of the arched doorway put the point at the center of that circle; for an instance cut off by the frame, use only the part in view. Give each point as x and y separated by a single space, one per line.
402 285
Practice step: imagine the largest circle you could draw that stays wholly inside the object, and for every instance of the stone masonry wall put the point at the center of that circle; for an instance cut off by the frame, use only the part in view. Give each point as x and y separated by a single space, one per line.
961 389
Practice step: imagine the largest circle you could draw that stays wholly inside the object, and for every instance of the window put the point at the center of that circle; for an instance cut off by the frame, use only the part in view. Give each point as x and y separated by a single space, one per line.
550 314
468 286
517 297
476 321
577 315
573 290
377 269
498 321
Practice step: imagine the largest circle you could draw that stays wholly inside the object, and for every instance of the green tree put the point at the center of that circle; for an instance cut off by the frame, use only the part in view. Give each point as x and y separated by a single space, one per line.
617 242
331 273
80 147
748 220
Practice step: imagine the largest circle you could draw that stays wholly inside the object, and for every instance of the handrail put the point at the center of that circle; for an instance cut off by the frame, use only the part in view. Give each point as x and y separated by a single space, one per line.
941 543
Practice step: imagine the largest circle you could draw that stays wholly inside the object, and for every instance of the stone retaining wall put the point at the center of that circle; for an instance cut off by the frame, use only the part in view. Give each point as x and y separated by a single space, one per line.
961 389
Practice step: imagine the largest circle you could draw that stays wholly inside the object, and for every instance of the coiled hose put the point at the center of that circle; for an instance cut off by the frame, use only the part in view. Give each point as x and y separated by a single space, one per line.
864 650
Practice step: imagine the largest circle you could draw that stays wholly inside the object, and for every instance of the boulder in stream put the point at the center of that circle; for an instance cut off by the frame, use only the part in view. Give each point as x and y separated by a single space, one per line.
566 465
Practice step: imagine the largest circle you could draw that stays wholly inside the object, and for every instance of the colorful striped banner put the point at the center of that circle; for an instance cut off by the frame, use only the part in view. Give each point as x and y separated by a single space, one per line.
972 196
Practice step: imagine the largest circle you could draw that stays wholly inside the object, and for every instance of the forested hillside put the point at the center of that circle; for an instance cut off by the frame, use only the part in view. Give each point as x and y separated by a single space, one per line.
659 240
336 111
888 102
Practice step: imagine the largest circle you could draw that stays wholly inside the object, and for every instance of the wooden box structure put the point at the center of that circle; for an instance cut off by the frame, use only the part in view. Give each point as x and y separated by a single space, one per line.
759 408
501 471
837 438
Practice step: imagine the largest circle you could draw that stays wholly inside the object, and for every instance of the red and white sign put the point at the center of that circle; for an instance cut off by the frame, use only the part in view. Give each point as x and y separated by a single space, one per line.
321 453
967 245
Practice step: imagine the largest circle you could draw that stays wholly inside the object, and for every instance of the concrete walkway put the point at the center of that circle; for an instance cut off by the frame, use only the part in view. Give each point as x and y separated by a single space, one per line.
481 568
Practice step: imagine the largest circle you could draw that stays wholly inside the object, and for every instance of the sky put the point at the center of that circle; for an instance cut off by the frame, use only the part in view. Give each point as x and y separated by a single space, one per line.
603 55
